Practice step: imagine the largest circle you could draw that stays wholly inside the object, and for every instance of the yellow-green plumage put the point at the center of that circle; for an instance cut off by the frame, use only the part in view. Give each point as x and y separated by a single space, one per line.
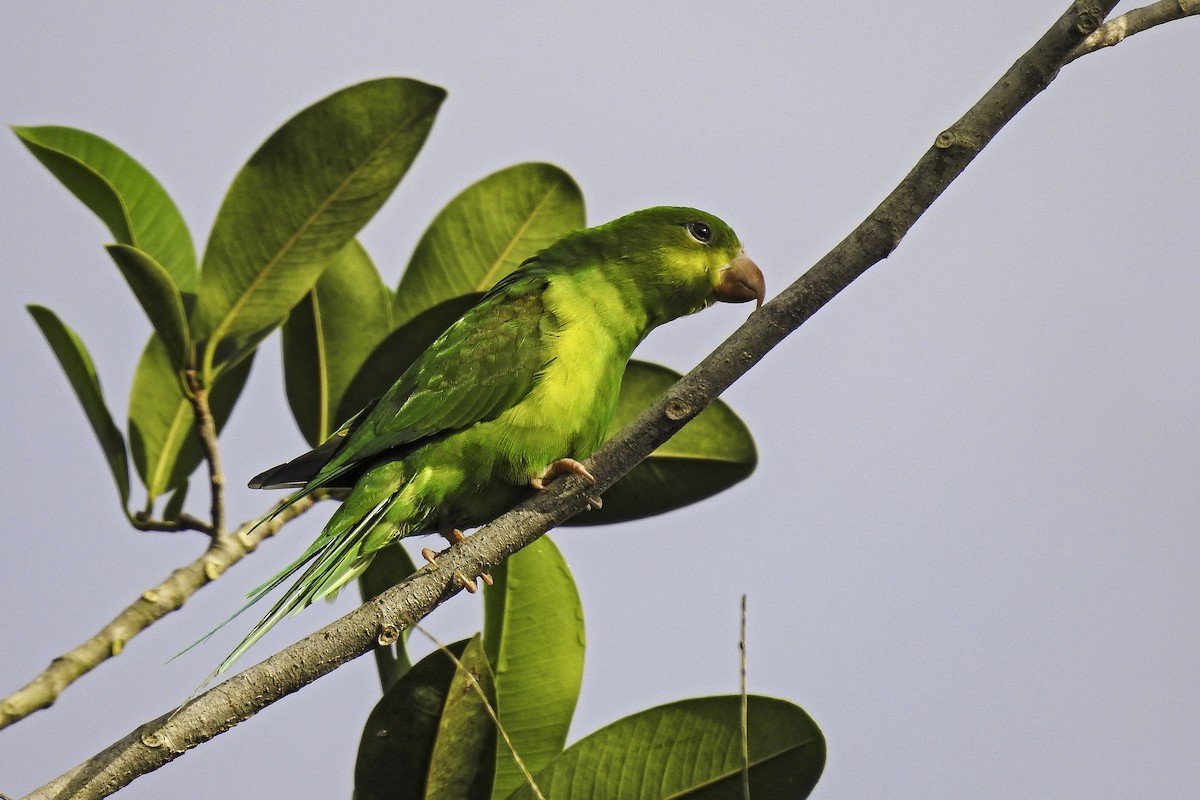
528 376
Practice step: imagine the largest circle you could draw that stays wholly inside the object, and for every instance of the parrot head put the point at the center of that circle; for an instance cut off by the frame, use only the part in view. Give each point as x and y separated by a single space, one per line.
681 260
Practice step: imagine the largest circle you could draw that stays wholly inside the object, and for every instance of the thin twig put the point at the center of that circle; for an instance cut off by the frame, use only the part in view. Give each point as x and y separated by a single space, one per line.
744 723
1118 29
206 428
487 704
154 604
186 522
162 740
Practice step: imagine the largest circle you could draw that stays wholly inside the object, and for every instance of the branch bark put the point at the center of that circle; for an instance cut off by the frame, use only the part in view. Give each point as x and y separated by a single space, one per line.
1120 28
166 738
224 551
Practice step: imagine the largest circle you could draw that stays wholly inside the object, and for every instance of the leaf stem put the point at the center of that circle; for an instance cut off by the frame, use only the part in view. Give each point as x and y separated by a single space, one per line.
206 428
186 522
744 703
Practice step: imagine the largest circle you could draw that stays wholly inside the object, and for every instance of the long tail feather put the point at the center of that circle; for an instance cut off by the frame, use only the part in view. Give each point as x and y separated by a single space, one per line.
328 555
307 489
300 470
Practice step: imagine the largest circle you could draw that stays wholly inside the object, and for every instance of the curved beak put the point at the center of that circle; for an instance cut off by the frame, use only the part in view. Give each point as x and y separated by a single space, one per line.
741 281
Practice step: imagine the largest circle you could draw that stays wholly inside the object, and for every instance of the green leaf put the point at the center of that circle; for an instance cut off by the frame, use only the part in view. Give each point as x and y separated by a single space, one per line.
158 296
81 372
162 424
463 760
691 749
301 198
398 350
174 507
127 198
231 352
329 335
430 736
486 232
161 421
389 567
533 634
708 455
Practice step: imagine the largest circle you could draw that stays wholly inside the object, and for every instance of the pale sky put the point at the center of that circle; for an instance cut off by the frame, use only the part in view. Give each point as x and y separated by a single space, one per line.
970 547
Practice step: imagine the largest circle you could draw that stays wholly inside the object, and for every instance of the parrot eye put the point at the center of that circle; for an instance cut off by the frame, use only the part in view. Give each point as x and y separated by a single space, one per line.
700 232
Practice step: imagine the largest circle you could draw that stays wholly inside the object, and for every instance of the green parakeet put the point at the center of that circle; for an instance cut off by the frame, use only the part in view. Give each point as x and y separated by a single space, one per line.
509 396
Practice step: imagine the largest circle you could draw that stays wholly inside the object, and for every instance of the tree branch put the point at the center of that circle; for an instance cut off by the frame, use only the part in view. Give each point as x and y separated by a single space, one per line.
164 739
1120 28
154 604
223 551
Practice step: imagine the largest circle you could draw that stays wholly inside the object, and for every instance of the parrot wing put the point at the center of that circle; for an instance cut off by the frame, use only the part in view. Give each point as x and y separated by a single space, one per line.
481 366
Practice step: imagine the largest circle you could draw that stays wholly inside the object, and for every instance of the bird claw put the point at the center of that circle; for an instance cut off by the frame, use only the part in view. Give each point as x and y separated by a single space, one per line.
563 466
454 536
567 466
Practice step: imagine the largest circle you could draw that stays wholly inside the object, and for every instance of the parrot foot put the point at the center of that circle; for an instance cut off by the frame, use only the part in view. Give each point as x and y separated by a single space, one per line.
463 580
454 536
564 466
567 466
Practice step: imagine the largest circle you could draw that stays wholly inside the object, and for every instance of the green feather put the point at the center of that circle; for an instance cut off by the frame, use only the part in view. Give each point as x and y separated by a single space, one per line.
529 375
